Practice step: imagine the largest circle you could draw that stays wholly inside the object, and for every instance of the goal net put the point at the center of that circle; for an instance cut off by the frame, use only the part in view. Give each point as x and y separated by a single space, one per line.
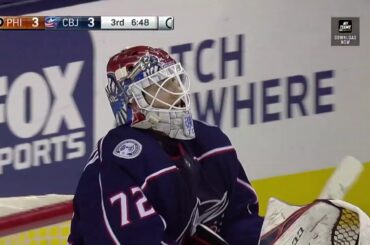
35 219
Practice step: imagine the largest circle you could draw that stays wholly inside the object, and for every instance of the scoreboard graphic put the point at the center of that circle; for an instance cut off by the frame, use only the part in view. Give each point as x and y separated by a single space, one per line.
86 23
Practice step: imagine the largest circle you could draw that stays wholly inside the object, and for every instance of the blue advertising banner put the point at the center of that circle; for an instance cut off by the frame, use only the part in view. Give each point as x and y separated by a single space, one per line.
46 111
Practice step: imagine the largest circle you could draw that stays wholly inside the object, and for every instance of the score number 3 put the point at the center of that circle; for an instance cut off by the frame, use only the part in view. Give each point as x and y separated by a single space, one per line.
35 22
140 205
91 22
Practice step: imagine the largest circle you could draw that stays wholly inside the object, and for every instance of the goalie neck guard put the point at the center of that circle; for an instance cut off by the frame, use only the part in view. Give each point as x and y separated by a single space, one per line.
148 89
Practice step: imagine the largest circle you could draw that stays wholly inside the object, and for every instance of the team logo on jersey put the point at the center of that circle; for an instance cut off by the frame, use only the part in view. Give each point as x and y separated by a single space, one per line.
208 212
128 149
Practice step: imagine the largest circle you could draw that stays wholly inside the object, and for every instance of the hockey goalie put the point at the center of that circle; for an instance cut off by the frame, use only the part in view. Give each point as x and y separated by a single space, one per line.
323 222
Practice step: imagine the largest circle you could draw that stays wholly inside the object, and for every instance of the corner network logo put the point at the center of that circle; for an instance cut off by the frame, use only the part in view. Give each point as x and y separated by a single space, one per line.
46 115
345 26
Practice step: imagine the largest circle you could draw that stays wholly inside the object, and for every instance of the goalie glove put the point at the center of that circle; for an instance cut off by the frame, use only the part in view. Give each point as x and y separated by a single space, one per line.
323 222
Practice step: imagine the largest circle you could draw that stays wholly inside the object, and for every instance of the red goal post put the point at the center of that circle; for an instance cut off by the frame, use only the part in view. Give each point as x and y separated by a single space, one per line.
35 219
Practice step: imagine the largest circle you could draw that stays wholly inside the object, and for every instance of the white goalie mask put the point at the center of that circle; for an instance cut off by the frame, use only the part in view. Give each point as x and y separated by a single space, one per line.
148 89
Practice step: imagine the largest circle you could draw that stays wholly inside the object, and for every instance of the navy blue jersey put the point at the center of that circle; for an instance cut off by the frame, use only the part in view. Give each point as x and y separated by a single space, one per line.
140 187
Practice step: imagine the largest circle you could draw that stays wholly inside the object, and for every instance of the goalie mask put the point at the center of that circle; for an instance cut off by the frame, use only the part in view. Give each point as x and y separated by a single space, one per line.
148 89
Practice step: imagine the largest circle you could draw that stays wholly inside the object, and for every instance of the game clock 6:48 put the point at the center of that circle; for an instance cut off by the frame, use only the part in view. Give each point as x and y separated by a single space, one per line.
140 22
143 22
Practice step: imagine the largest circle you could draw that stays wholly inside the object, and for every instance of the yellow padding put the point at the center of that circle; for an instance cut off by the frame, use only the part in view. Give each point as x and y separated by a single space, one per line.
54 235
303 188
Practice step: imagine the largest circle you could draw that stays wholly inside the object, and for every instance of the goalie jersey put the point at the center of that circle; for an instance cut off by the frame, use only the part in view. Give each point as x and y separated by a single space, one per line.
140 187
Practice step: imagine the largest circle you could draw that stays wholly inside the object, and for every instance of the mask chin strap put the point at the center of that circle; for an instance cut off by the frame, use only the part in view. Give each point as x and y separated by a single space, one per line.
177 125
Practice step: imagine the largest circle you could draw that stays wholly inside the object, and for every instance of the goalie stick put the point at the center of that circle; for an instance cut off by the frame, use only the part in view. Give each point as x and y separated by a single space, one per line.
344 176
205 236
